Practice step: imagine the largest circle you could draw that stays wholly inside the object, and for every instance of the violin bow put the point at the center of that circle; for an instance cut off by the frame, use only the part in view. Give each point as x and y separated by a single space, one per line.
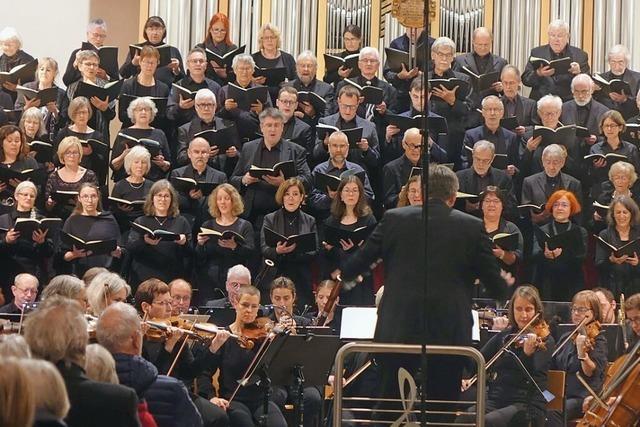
566 340
184 343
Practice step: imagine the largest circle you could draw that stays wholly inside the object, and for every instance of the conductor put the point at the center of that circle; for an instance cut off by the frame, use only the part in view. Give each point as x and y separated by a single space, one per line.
458 251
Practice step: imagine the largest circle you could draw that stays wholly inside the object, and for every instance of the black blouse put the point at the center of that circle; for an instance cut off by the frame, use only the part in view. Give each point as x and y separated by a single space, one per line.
123 189
155 173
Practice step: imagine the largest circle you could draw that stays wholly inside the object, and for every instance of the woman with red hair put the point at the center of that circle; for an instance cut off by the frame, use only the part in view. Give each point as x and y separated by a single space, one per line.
559 249
217 40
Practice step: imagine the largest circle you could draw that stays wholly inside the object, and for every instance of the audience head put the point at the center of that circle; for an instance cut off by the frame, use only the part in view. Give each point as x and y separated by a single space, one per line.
17 396
14 345
225 200
64 285
238 276
443 184
105 289
119 329
100 365
57 331
181 293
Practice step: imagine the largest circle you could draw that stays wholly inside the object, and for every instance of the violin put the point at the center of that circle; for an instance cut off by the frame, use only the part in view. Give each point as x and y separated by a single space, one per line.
591 331
256 331
541 330
203 332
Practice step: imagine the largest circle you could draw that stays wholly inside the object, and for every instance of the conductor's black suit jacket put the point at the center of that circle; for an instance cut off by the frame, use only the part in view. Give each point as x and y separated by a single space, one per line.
459 251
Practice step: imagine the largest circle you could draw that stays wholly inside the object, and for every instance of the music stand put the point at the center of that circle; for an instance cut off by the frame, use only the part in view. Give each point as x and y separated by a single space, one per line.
220 316
283 363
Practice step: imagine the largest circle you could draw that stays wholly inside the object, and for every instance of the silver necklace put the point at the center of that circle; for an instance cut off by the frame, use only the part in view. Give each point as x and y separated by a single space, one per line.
161 222
134 187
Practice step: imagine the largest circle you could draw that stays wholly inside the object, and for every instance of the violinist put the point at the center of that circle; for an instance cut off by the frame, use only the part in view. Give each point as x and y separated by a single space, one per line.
153 300
233 360
632 313
513 397
586 355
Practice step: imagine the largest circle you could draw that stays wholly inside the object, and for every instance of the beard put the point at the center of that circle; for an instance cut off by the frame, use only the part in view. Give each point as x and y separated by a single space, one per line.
582 103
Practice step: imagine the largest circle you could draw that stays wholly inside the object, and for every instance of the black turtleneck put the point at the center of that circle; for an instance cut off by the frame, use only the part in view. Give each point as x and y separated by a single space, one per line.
291 222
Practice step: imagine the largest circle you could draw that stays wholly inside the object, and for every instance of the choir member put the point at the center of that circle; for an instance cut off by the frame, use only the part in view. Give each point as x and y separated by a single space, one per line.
480 175
453 105
295 129
306 70
154 257
25 292
619 60
69 177
32 126
12 56
612 126
620 274
401 80
89 223
320 199
134 187
287 221
558 271
537 188
96 36
396 173
585 355
154 33
492 203
258 194
622 179
24 254
270 55
515 104
216 255
367 153
193 202
141 111
14 156
544 80
350 211
515 397
549 111
206 119
180 109
217 39
104 110
411 193
246 122
105 289
352 40
45 78
94 156
232 362
144 83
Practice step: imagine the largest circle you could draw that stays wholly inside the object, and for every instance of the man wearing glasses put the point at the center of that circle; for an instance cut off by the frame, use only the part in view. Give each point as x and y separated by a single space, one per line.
96 36
25 292
237 276
295 129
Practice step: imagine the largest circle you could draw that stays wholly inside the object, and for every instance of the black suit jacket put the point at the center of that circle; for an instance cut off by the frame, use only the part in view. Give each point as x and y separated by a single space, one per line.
98 404
288 151
533 188
467 180
526 111
557 84
459 251
298 131
629 108
511 144
570 114
325 90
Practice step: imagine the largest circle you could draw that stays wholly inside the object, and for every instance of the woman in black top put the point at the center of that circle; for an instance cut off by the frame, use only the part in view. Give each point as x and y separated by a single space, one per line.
104 110
558 270
584 355
620 274
612 126
133 188
411 193
69 177
622 182
13 155
154 33
141 111
144 83
513 395
232 360
89 223
95 149
289 221
270 56
24 254
32 125
45 79
217 40
214 255
12 56
349 211
492 205
352 38
164 260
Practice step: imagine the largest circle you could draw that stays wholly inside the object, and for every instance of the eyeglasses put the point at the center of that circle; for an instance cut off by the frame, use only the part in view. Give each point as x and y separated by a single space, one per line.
491 201
368 61
443 54
72 154
26 195
98 36
582 92
197 61
27 291
493 110
206 105
348 107
351 191
269 38
141 109
610 126
635 320
413 146
91 64
218 30
580 310
287 102
561 205
163 303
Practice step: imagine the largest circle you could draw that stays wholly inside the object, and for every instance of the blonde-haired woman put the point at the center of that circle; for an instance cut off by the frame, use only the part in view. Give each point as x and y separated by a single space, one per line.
152 257
68 178
105 289
17 397
52 401
215 255
271 56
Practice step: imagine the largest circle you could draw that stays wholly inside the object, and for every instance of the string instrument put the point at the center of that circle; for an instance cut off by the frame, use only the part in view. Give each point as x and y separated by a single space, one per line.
541 330
621 391
508 344
321 318
203 332
622 320
591 331
570 336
